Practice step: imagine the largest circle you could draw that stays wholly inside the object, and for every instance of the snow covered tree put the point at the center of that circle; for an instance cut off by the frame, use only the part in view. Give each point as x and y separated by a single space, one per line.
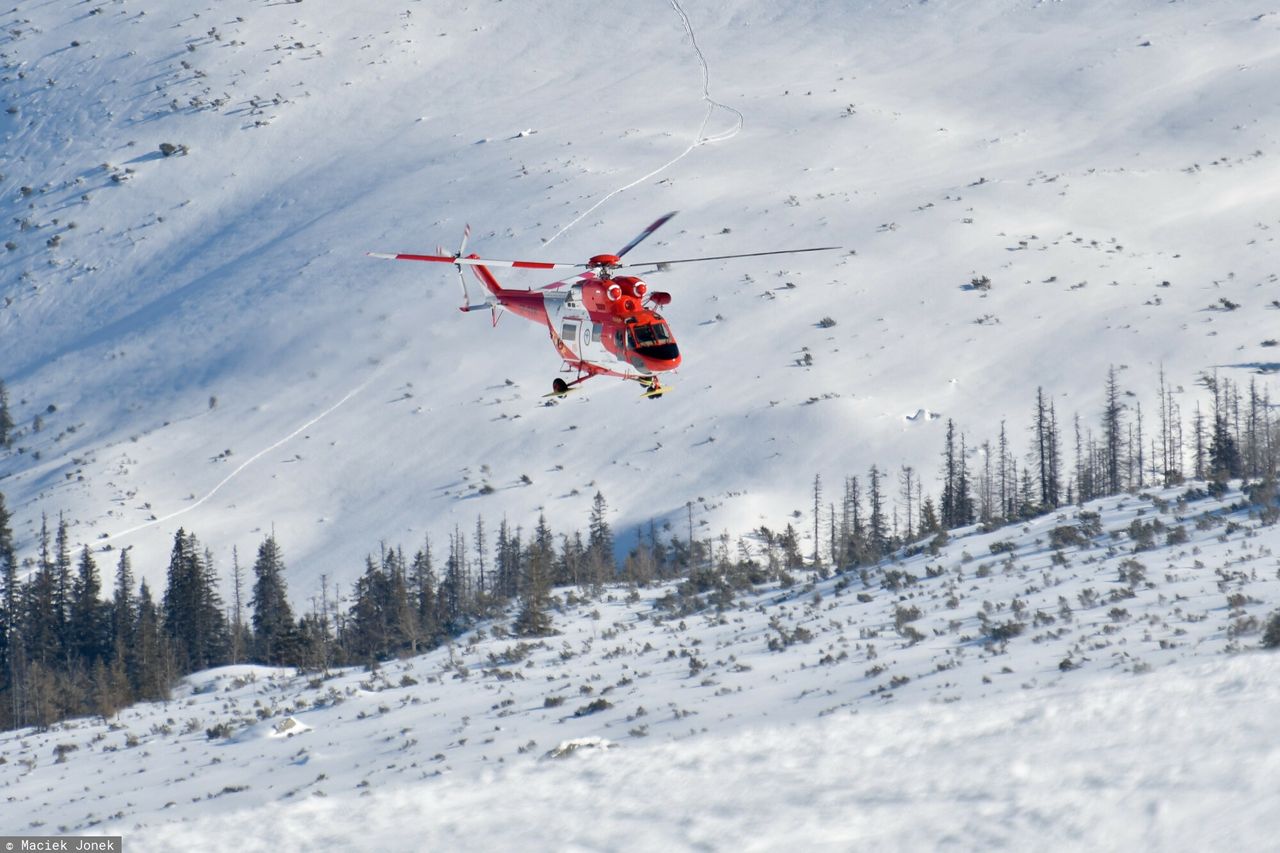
273 627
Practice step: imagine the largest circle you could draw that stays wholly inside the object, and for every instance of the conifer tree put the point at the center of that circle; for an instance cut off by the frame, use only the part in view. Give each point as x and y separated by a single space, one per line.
422 579
572 567
453 590
153 664
90 617
123 605
1113 432
534 620
42 626
273 627
192 609
1047 452
10 615
241 638
600 564
402 615
508 561
877 530
817 521
123 629
370 628
62 592
483 581
929 522
6 421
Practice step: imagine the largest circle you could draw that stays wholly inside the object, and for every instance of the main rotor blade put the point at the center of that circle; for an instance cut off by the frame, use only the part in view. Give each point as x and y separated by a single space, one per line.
746 255
477 262
662 220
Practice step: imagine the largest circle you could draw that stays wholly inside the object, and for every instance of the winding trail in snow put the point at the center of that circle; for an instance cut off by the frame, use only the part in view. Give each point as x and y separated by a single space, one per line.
699 138
243 465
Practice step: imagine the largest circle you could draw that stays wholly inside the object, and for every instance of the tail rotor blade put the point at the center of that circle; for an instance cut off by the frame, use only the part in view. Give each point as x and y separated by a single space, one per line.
662 220
466 235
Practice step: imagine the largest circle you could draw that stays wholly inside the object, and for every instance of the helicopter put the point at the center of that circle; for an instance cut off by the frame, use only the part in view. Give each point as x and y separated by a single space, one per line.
601 324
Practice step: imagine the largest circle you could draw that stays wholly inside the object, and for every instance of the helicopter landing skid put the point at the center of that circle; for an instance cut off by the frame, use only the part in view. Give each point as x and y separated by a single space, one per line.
560 388
653 390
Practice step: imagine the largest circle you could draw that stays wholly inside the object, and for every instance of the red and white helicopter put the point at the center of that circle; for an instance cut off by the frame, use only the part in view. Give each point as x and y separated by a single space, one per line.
600 323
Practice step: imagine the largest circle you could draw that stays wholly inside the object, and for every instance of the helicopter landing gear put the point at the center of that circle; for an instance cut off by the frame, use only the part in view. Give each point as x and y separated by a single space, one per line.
653 390
560 388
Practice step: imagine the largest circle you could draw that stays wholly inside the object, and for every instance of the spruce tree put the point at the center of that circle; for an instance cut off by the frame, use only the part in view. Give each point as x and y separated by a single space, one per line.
10 634
153 667
1112 431
508 561
6 421
402 615
573 566
90 617
273 627
62 591
370 625
41 623
422 580
600 564
534 620
877 530
192 609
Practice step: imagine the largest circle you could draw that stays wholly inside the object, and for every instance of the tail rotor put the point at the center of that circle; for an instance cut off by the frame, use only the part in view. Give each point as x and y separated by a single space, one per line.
462 279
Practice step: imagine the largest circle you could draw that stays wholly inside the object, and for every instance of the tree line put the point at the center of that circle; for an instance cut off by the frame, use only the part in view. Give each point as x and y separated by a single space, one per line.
1237 436
67 648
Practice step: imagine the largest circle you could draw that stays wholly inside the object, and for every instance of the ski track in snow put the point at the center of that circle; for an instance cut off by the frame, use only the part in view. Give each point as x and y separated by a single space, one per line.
254 458
698 138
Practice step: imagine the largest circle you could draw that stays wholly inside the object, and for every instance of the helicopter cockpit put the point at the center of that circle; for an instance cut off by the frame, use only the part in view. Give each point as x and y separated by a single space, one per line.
654 341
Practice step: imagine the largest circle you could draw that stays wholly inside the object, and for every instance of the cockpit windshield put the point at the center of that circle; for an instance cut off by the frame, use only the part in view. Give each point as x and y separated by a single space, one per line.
651 335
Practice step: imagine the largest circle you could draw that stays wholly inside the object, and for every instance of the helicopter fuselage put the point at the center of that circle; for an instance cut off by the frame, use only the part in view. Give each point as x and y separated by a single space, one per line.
597 325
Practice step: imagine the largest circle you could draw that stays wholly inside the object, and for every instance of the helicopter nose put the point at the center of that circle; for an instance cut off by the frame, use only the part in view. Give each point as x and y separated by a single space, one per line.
661 357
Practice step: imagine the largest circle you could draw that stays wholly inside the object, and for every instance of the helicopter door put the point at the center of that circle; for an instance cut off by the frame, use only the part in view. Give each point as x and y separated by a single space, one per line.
569 334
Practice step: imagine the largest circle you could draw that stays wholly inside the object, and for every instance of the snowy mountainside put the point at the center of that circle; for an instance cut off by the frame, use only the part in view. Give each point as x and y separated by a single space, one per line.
159 311
896 709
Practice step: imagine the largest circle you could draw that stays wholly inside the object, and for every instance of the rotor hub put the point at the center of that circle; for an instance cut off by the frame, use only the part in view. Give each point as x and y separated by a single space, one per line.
605 262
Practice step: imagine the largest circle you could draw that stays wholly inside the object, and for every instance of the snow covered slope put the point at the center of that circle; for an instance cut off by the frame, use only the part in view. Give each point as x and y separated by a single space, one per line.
998 692
159 311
